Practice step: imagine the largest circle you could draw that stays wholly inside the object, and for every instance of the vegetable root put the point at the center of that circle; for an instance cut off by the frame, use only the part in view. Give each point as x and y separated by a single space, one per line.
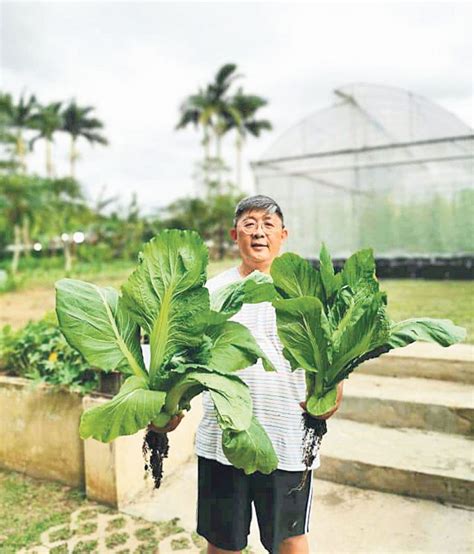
155 450
314 430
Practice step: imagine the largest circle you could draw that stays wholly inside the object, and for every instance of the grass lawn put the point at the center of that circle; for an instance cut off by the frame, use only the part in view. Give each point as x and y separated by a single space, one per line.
441 299
29 506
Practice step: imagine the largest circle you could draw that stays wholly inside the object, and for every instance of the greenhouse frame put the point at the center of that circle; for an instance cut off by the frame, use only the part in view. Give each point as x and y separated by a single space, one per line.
382 167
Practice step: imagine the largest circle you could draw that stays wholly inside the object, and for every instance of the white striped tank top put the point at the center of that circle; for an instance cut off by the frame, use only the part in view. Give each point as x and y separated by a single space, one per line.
275 395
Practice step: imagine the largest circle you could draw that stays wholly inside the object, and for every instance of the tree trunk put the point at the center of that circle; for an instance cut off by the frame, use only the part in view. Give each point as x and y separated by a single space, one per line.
205 143
16 251
20 151
49 163
25 230
67 256
218 162
238 162
73 156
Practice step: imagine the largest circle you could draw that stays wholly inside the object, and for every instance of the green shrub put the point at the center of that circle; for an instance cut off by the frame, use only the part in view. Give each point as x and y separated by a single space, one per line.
40 352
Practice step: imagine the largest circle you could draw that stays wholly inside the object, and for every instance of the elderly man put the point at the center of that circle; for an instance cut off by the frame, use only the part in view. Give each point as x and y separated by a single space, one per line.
226 494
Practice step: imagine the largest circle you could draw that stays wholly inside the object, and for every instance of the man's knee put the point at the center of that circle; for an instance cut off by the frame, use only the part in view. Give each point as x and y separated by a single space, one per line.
294 545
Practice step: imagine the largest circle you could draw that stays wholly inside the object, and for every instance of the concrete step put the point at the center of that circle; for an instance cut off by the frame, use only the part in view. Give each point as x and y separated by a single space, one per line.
428 404
426 360
422 464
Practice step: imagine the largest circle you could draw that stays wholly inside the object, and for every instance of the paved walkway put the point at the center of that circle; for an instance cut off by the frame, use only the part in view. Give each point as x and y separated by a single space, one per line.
101 530
345 520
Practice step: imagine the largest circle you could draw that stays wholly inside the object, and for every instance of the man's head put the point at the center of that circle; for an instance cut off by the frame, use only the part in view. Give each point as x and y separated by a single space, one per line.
259 231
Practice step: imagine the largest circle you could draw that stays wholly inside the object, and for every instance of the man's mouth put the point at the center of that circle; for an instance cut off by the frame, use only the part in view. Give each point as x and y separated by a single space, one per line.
259 245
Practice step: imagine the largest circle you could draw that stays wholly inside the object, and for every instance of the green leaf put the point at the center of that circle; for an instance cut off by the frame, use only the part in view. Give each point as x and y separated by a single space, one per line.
359 270
229 393
355 336
330 281
294 277
234 348
130 410
317 406
166 296
304 330
94 321
228 300
250 449
440 331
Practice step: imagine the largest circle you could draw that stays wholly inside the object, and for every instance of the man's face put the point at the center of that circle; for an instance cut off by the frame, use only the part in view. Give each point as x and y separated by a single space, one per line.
259 236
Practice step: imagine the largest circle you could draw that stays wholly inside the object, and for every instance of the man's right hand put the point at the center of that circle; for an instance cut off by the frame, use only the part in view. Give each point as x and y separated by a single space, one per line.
170 426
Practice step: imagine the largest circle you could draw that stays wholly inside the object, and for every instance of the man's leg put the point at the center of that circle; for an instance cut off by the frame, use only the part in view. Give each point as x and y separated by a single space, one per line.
283 513
224 506
293 545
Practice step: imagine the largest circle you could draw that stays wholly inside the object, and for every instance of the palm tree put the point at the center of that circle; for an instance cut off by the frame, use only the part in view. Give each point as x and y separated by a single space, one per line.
209 108
20 198
47 121
77 124
18 117
246 105
196 110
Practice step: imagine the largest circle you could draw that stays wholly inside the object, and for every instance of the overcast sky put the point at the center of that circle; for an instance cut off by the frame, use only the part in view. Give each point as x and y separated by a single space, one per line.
135 62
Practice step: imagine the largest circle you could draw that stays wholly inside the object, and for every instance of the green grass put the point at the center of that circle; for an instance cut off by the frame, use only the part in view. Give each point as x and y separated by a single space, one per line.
29 506
440 299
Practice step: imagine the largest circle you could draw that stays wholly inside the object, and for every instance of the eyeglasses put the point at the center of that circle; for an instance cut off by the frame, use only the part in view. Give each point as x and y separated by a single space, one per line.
251 227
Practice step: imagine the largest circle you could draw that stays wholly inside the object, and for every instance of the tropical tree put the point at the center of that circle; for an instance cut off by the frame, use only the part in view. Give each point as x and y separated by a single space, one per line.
246 106
20 197
77 124
209 109
15 119
47 121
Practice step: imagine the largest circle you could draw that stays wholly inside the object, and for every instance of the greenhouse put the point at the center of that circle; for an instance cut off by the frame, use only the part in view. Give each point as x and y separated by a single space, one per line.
381 167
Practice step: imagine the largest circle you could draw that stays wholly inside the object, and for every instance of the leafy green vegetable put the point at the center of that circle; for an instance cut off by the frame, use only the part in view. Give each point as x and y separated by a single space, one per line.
330 323
193 345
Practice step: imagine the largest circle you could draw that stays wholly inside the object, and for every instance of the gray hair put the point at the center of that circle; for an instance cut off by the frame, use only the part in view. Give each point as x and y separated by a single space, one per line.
258 202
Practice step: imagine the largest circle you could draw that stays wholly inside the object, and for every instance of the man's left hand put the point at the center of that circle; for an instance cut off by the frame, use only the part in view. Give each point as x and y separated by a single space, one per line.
336 407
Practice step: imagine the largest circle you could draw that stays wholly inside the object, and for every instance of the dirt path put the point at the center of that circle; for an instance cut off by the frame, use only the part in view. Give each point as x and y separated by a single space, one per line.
17 308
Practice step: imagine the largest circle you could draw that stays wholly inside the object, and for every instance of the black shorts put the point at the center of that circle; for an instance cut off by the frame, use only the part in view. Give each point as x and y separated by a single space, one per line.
225 496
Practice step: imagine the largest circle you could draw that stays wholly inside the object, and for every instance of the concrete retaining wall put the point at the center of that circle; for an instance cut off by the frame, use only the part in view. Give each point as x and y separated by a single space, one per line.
39 432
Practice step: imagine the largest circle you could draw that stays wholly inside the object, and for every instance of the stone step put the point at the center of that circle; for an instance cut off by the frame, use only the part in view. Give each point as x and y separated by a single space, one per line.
426 360
412 462
428 404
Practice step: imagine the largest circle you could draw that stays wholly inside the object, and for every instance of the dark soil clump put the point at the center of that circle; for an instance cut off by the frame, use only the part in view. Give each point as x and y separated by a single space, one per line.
155 450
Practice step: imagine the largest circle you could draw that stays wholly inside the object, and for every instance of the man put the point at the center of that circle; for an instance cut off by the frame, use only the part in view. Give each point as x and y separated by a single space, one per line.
225 494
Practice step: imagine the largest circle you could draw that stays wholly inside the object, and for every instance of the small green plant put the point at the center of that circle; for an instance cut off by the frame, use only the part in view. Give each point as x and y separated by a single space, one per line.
83 547
198 540
116 539
62 534
145 533
40 352
171 527
180 544
147 548
88 513
87 528
116 523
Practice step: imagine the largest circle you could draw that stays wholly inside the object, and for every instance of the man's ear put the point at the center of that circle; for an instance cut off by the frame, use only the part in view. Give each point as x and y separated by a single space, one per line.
284 234
233 234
